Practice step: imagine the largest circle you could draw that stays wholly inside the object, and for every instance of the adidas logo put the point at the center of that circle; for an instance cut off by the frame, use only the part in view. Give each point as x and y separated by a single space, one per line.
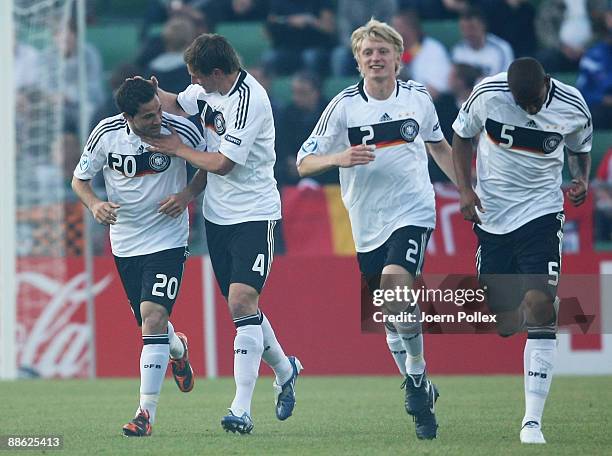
531 124
385 118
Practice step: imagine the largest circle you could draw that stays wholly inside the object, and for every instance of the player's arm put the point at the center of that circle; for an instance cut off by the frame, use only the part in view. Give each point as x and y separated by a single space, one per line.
104 212
168 100
213 162
311 165
579 167
462 161
441 153
175 204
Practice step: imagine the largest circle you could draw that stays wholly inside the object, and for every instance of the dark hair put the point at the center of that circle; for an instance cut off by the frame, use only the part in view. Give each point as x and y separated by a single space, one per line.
210 51
308 77
473 13
468 74
132 94
526 76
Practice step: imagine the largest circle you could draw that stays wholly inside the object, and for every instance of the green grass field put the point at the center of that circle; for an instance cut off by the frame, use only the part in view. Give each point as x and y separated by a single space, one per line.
334 415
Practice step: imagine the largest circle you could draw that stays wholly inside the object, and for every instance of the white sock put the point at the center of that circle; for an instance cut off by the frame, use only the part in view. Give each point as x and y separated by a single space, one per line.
273 354
396 347
248 348
412 339
153 363
176 346
538 361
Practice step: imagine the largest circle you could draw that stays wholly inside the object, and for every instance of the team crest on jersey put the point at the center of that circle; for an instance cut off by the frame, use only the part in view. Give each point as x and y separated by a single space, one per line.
219 123
409 130
159 162
551 143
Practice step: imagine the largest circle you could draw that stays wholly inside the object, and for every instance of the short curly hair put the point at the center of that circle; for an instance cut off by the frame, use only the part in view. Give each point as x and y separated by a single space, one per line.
133 93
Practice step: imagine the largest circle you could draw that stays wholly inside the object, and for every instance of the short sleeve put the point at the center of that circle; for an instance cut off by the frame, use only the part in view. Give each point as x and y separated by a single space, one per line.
243 124
188 99
581 138
430 130
94 154
330 134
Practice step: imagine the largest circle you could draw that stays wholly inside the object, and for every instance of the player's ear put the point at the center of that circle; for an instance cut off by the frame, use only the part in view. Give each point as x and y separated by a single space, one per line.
126 116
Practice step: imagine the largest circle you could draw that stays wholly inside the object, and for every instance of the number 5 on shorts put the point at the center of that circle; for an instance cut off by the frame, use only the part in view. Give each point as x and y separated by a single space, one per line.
258 266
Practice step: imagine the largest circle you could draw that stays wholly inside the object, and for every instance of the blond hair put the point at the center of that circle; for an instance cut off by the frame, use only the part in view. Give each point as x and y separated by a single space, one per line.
380 31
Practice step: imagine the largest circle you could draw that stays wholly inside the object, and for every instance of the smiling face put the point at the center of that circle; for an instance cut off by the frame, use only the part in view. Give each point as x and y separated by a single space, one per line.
378 59
147 121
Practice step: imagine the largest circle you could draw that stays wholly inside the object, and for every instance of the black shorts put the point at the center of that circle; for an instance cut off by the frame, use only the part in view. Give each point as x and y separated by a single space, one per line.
241 253
528 258
405 247
154 277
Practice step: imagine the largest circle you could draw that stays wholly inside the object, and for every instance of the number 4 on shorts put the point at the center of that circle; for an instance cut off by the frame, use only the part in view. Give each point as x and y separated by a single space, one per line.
258 266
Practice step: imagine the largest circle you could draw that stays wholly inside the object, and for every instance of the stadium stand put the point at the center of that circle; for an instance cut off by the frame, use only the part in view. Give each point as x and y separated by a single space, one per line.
116 41
248 38
446 31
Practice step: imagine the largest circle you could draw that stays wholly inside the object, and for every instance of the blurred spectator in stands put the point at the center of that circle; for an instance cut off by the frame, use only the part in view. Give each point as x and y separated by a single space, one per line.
169 67
108 108
595 79
603 198
436 9
564 30
26 58
154 45
236 10
351 15
513 21
302 35
425 59
265 78
295 122
66 85
481 49
461 81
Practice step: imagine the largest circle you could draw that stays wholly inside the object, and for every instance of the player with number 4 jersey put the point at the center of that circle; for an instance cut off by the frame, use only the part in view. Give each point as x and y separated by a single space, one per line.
149 226
241 210
378 133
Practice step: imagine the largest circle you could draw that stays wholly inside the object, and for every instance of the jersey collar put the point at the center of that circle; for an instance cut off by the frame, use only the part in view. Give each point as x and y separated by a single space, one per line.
362 92
241 77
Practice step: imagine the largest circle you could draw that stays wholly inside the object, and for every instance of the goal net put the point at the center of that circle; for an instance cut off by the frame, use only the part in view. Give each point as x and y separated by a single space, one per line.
52 338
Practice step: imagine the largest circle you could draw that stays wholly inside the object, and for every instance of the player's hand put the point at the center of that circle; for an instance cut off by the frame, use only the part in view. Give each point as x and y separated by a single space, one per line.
578 192
153 81
166 144
468 203
105 212
174 205
356 155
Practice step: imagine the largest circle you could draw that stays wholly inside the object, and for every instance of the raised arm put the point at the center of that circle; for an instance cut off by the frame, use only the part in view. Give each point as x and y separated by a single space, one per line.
169 100
311 165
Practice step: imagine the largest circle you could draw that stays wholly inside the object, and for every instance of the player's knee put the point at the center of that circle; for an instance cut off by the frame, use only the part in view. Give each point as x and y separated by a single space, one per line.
242 300
538 308
154 319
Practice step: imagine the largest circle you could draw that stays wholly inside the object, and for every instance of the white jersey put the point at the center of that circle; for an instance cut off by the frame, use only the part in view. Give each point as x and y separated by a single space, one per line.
394 190
138 180
496 55
520 156
241 127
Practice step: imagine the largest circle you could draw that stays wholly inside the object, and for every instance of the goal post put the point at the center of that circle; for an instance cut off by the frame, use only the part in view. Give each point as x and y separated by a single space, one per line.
8 293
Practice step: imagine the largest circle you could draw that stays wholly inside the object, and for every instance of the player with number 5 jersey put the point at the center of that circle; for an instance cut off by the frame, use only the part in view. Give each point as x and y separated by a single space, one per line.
524 122
378 133
149 226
